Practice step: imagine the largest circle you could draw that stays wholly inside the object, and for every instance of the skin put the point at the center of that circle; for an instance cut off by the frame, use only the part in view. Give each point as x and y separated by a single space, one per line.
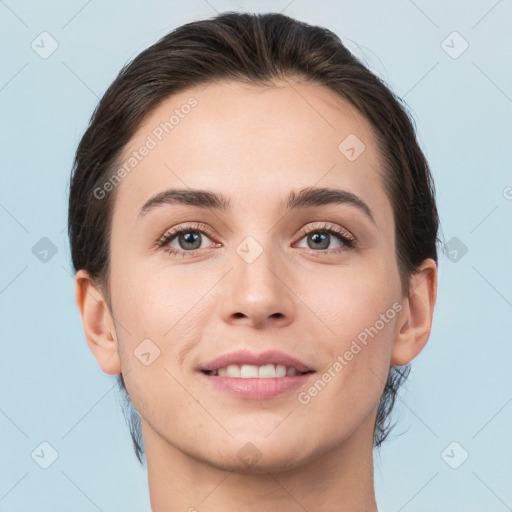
256 144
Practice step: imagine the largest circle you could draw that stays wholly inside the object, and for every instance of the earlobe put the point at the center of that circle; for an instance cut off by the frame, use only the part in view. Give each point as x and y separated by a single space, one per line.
97 323
415 322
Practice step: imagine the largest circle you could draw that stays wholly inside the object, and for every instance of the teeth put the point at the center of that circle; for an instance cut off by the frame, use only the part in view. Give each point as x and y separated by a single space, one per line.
233 370
267 372
280 370
249 371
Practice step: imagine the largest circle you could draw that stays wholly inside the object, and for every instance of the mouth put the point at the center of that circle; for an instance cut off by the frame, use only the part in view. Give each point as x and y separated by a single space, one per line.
249 376
249 371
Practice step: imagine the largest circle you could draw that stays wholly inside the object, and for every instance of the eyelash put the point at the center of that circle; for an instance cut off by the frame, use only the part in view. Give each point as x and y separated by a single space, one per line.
170 235
349 242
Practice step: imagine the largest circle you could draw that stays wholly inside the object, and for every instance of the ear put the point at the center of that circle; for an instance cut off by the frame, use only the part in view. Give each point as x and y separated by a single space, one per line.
415 321
97 322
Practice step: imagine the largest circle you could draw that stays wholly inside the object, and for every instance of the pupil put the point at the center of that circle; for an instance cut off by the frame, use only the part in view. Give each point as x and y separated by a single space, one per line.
191 237
320 240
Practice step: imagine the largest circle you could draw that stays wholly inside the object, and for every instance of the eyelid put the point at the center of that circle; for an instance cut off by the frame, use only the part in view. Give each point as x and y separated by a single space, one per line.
187 226
329 227
348 239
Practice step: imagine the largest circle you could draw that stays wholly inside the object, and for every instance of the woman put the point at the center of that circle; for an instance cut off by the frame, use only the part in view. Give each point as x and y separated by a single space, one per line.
253 229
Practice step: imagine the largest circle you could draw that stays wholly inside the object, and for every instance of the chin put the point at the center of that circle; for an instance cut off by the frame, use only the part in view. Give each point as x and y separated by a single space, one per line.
264 463
260 455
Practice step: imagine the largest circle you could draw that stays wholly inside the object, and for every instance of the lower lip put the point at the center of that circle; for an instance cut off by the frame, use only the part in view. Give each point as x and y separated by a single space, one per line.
256 389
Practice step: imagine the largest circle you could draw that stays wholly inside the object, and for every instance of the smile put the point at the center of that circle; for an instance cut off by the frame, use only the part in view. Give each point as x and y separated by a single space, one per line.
249 371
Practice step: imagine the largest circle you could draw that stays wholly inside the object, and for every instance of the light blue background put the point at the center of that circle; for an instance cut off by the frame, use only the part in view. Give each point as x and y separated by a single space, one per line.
460 386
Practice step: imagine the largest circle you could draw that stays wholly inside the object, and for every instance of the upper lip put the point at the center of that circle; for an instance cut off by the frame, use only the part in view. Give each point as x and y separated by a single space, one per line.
242 357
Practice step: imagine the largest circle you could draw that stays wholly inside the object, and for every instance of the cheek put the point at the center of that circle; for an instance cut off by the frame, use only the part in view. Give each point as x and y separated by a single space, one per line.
351 298
161 312
158 317
348 389
154 301
359 311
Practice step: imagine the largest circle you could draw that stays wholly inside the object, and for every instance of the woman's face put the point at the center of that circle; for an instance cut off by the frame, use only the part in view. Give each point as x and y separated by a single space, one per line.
253 274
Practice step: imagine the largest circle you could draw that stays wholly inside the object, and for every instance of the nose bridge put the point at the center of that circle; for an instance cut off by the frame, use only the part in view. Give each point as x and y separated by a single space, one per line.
256 291
256 263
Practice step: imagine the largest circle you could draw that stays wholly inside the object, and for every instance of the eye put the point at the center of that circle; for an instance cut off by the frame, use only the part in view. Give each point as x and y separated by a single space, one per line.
189 239
322 237
185 240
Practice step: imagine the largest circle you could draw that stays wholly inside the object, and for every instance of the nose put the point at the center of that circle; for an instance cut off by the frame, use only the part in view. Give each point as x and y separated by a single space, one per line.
258 293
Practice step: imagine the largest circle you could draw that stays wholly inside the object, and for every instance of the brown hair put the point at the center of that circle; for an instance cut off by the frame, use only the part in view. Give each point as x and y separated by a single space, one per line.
255 49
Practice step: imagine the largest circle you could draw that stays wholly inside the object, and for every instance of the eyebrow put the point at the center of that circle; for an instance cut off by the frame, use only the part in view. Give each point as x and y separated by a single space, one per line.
305 198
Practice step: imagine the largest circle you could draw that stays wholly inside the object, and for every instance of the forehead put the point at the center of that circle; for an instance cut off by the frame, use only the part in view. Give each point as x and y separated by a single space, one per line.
251 141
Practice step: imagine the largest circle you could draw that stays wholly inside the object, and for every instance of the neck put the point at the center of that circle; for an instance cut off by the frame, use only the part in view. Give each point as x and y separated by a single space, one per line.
340 479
